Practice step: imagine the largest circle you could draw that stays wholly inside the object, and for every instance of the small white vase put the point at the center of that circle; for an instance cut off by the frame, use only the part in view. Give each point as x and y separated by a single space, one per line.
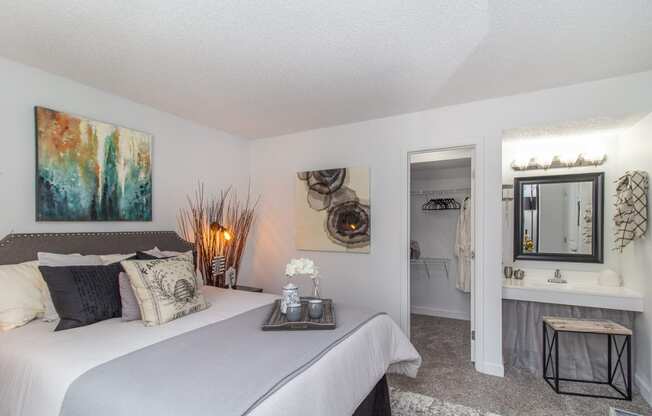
290 295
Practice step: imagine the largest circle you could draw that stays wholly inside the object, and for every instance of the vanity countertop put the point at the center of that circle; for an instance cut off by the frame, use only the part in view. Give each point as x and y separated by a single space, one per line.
581 290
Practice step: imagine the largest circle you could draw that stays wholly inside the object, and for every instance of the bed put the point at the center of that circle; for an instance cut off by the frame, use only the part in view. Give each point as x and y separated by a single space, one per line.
44 373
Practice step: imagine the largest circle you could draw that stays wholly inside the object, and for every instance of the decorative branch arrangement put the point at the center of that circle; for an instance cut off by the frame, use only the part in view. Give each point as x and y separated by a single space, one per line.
218 226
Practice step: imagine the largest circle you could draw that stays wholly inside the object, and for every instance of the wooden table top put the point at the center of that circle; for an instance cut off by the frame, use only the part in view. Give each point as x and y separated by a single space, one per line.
595 326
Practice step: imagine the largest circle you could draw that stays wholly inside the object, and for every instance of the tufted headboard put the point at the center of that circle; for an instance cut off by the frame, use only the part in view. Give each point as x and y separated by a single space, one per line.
16 248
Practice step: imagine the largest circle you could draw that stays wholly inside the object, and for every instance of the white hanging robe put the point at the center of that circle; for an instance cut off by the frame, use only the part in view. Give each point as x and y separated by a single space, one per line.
463 249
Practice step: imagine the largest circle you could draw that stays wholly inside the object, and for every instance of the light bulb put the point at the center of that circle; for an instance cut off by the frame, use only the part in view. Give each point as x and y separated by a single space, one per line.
521 162
544 161
594 158
568 159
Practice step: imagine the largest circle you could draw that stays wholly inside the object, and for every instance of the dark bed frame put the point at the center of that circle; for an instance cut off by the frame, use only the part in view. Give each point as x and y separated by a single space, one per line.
17 248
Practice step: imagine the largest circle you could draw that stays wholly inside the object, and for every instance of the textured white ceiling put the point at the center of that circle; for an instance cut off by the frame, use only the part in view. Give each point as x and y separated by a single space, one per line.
264 68
602 125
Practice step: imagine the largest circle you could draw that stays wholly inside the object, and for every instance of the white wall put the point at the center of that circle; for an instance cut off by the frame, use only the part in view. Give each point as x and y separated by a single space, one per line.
183 152
636 259
435 232
375 280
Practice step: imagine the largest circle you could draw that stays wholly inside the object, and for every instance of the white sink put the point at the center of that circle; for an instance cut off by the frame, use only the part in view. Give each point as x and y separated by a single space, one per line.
581 289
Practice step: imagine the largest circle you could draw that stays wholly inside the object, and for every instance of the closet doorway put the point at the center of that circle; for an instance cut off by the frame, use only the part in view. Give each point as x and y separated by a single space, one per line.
442 246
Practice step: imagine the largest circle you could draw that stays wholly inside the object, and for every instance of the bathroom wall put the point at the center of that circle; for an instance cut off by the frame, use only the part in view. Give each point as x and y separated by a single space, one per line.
515 149
635 153
435 232
627 149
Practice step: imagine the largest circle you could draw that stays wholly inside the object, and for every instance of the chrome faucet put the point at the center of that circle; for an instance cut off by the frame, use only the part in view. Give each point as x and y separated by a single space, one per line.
557 278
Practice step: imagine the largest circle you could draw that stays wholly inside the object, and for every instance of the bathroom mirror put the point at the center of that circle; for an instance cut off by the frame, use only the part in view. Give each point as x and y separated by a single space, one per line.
559 218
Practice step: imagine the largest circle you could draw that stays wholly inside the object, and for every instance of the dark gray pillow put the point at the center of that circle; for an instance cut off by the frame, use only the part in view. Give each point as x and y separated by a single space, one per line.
130 308
84 295
141 255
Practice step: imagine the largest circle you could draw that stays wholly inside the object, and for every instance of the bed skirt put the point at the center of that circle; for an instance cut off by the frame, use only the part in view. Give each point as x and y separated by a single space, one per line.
377 402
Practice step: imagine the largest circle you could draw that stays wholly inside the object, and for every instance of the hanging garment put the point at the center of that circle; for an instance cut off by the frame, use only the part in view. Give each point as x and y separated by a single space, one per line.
508 232
463 249
631 208
415 250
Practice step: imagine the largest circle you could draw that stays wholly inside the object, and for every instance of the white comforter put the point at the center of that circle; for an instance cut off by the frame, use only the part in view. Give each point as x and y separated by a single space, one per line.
37 365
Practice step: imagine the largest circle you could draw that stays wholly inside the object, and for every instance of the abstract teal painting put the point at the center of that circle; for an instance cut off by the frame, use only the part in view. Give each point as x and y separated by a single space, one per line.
91 171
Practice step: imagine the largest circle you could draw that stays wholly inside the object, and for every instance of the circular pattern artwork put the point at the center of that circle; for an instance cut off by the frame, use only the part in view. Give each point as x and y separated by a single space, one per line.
346 218
348 224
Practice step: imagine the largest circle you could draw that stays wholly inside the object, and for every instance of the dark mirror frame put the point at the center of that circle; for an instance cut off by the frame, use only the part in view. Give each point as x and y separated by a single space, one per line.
597 251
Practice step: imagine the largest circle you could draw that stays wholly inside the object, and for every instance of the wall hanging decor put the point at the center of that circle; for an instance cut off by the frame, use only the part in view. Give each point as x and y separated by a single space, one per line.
87 170
630 218
333 211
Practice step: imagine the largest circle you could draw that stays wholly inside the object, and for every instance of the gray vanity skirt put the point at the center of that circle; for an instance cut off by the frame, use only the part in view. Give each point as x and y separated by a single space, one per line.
583 356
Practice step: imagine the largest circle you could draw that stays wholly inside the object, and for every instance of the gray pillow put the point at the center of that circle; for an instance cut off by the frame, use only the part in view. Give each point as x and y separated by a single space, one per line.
61 260
130 308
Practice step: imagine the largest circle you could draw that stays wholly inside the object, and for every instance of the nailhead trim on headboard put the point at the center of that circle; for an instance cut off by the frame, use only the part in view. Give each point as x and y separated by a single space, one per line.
16 248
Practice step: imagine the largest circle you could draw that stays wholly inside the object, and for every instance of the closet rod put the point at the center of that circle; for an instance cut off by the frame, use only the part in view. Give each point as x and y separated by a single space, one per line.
440 191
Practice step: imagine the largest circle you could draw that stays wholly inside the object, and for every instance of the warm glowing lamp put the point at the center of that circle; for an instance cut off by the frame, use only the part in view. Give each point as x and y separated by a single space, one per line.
217 228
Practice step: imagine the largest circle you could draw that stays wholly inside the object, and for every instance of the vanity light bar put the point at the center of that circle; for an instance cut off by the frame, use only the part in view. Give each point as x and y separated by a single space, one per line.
580 160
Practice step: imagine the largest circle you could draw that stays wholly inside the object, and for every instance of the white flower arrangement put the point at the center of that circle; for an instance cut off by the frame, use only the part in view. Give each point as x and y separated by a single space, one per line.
304 267
301 267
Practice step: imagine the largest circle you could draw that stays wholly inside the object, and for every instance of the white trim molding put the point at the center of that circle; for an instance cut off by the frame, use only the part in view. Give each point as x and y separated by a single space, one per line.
491 369
644 387
487 312
440 313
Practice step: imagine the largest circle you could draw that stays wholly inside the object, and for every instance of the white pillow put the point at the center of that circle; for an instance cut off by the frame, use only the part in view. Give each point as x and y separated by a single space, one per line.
61 260
114 258
157 252
21 296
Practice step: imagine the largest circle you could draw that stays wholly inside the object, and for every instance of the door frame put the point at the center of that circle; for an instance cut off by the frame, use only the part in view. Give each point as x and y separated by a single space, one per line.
477 290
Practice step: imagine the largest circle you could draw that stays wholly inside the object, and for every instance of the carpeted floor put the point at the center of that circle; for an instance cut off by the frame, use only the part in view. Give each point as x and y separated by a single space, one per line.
447 379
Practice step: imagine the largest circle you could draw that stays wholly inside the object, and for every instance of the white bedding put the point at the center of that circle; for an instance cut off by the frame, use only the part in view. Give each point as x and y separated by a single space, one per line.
37 365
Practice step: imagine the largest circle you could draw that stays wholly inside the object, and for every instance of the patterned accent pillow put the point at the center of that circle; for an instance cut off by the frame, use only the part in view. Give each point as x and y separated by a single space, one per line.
61 260
83 295
166 289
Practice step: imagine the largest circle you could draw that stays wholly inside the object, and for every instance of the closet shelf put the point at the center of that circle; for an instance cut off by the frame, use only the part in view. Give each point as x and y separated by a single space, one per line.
428 261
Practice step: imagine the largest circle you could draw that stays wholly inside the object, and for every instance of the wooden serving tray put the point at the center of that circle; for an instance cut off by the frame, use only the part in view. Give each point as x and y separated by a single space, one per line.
278 322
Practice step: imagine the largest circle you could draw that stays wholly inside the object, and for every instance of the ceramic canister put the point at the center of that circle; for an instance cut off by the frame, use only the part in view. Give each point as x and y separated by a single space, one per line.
290 295
315 308
293 312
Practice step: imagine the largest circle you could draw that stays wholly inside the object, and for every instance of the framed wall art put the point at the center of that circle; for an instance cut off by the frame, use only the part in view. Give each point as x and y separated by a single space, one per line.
333 210
88 170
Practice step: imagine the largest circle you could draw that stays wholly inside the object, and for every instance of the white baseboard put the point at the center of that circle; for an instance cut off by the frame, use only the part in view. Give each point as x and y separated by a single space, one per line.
491 369
644 387
442 313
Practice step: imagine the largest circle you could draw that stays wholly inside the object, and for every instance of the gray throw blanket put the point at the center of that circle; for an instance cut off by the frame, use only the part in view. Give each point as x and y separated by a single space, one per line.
226 368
